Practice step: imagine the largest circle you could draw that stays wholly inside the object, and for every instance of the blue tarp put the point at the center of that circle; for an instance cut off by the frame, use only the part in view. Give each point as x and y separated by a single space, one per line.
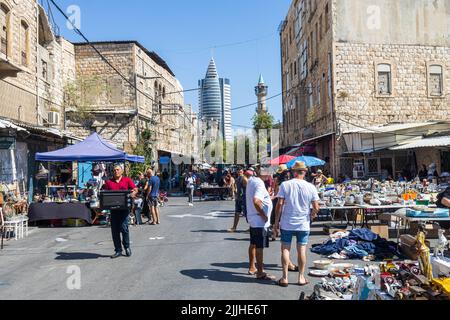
93 148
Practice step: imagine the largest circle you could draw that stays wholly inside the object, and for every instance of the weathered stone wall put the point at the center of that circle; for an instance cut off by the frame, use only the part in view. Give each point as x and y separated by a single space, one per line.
18 95
303 119
357 100
155 84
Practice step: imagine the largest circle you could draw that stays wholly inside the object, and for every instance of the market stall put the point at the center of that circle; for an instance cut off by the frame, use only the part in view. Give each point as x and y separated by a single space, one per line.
364 201
213 192
425 276
78 203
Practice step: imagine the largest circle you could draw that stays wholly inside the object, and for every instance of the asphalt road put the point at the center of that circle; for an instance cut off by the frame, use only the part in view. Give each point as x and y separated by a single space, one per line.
189 256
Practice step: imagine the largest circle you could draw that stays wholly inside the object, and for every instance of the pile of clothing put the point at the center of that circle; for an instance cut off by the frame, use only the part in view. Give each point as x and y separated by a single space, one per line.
357 244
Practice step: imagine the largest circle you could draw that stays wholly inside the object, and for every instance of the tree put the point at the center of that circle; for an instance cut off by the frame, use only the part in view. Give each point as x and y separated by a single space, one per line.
143 148
263 121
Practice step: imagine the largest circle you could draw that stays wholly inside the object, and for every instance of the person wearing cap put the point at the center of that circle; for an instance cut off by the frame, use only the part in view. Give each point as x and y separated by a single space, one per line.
293 218
119 218
241 184
259 209
319 179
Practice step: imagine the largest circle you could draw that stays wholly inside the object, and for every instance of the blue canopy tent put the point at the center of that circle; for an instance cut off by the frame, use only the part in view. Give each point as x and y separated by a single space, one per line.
93 148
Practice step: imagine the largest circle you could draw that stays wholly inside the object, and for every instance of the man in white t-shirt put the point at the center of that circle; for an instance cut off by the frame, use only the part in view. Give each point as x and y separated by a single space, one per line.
190 186
259 208
295 199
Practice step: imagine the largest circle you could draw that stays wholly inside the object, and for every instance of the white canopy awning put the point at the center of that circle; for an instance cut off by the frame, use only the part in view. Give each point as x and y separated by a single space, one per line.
443 141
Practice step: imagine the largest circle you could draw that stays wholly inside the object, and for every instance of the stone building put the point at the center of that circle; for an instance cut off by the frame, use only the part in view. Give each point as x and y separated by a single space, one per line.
145 96
33 65
357 69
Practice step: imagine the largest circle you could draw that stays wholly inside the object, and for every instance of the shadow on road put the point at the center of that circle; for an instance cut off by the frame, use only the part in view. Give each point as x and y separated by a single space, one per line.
243 265
221 276
216 231
236 239
78 256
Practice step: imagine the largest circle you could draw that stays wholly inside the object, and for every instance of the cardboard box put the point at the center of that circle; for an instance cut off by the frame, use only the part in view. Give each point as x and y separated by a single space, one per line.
431 230
330 228
381 230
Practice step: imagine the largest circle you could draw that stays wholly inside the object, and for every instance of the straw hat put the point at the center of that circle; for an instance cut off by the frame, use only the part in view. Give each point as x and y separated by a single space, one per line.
299 166
282 168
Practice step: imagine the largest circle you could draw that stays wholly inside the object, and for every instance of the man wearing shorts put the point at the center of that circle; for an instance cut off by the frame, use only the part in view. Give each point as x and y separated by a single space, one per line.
295 199
259 208
241 183
153 194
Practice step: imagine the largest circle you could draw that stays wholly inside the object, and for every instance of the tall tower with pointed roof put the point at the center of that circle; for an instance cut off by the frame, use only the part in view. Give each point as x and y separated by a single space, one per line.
215 100
261 92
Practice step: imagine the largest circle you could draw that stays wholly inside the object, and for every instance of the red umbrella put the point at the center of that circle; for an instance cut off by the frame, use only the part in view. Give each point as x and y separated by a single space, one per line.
281 160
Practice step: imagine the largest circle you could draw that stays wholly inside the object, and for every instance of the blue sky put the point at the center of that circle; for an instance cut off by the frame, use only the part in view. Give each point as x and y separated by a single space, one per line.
182 32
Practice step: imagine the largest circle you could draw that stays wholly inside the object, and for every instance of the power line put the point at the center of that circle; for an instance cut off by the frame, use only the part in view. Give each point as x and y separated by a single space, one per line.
309 88
194 50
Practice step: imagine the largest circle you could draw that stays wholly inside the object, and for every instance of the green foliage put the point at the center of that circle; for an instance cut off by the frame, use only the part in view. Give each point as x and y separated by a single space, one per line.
143 148
263 121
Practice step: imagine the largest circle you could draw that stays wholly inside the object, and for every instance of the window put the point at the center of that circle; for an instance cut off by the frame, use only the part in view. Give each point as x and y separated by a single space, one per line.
295 68
304 60
310 96
24 40
317 40
320 27
384 79
291 73
164 93
115 90
44 70
327 26
312 45
435 80
318 93
372 166
4 31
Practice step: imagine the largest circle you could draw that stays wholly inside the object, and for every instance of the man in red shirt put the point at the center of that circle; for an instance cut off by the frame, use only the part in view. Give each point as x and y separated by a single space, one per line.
119 218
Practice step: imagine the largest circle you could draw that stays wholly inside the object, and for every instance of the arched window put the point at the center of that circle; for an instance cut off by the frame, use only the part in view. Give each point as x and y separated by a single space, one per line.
4 28
24 43
164 92
435 80
384 79
19 113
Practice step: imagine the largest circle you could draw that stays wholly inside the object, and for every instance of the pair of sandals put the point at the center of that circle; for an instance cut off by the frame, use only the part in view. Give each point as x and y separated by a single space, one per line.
290 268
285 285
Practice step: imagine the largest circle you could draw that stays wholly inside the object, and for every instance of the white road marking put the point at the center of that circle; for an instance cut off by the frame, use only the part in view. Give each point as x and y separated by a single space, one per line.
208 216
156 238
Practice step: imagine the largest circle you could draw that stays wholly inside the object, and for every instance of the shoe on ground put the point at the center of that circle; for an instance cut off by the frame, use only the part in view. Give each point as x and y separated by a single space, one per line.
191 204
116 255
128 252
231 230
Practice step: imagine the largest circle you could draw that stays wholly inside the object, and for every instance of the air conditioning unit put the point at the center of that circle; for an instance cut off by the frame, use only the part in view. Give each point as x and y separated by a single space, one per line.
53 118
